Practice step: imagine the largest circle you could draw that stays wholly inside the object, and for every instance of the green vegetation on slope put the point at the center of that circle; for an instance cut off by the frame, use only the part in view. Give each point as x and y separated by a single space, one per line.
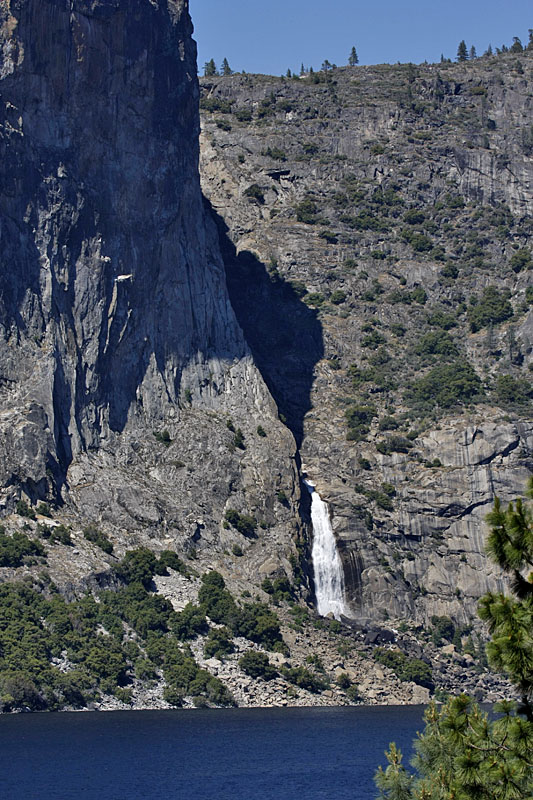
55 653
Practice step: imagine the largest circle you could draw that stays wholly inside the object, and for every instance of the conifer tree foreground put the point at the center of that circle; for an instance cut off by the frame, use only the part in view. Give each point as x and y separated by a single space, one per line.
510 619
462 754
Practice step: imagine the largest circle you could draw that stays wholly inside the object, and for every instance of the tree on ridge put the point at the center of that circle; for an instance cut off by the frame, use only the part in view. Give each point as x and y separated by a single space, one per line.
353 58
210 69
462 52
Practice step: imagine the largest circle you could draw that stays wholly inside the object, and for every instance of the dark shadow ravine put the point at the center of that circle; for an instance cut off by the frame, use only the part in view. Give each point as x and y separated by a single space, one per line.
284 335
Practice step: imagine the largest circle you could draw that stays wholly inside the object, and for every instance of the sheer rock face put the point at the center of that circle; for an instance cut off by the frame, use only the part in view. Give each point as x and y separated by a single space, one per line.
432 546
115 319
111 284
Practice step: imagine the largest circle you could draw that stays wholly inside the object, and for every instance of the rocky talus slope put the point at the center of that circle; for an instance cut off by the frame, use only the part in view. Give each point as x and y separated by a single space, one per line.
376 226
167 361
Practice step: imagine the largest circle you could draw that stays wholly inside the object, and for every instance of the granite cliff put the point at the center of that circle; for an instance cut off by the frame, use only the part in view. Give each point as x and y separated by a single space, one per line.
116 322
390 206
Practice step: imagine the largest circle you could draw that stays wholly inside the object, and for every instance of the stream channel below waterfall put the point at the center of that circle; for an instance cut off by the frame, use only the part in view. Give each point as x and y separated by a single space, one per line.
327 567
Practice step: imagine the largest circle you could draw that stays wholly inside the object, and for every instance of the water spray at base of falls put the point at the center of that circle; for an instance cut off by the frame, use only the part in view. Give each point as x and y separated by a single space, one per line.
327 566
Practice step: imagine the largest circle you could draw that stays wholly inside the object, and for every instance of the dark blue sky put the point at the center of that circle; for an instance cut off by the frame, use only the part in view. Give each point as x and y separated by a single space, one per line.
270 36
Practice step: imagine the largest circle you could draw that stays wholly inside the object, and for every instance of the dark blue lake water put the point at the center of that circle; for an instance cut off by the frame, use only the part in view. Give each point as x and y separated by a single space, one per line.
240 754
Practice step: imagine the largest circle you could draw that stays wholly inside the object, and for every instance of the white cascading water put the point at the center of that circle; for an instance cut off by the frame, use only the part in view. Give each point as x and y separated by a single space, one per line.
327 567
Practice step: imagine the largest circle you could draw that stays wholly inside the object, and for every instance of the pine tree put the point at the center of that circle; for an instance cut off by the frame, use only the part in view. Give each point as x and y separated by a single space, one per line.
210 69
488 51
473 53
510 619
394 783
326 65
289 73
226 69
462 753
353 58
302 70
516 46
530 42
462 52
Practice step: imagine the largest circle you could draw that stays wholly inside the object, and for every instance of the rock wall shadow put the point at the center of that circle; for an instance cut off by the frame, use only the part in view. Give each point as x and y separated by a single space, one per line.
284 335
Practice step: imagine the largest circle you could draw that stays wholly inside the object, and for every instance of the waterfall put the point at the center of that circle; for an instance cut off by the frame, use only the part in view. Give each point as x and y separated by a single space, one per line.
327 567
